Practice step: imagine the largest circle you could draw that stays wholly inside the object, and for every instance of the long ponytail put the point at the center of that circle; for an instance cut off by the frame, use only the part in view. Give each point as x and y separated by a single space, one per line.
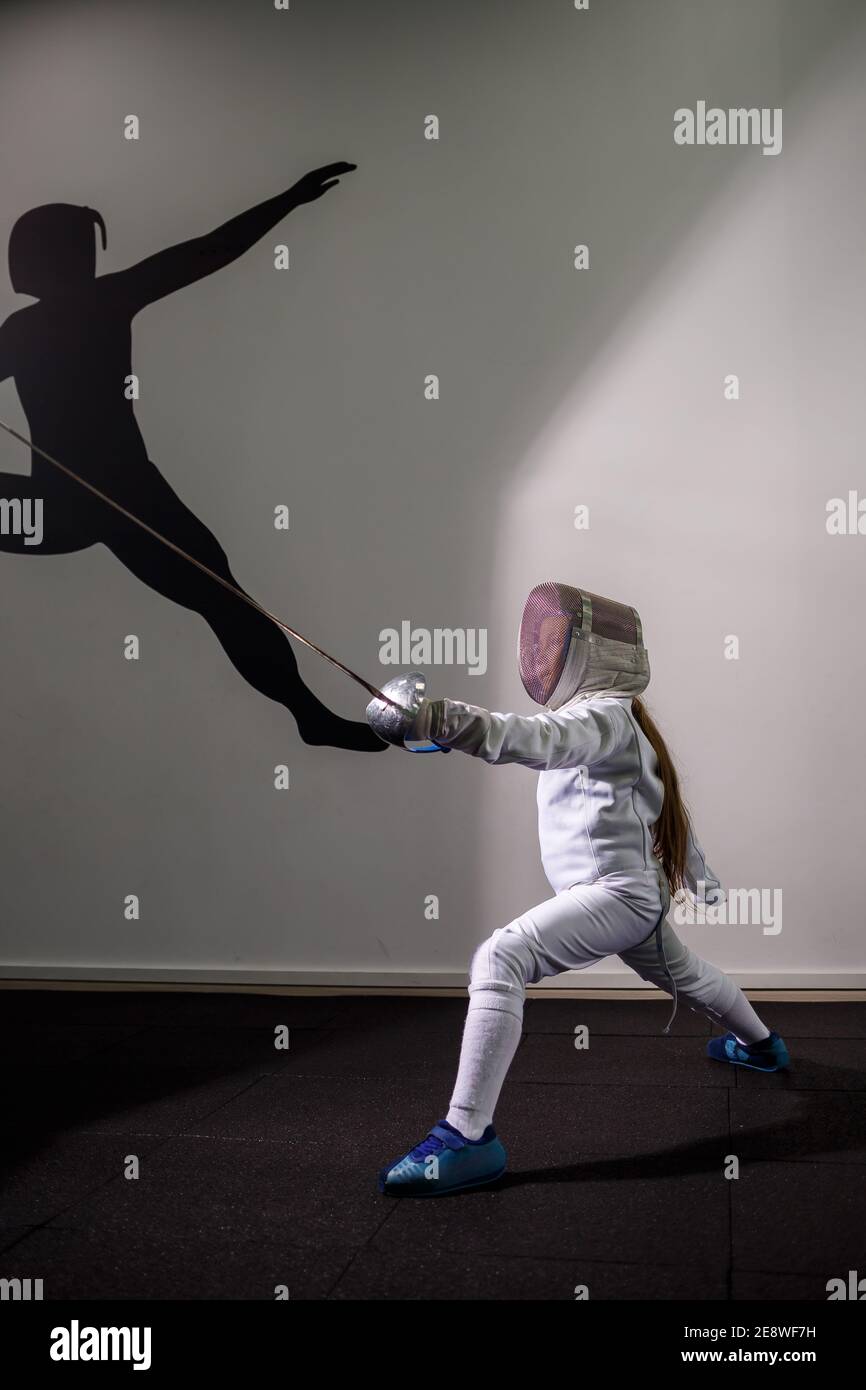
671 830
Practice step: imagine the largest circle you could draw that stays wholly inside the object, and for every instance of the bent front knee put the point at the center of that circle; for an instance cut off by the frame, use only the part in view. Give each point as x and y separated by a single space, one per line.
504 963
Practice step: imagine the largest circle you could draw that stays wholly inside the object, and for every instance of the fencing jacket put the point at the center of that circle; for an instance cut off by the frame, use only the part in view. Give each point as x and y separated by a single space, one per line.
599 792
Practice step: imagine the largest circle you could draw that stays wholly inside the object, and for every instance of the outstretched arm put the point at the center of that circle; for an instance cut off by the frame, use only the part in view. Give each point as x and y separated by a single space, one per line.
566 738
181 265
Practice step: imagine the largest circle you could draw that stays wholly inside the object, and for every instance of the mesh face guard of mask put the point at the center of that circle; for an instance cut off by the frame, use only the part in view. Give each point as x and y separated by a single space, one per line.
569 634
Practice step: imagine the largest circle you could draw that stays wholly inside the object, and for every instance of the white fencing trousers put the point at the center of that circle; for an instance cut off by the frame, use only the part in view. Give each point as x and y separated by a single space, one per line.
582 924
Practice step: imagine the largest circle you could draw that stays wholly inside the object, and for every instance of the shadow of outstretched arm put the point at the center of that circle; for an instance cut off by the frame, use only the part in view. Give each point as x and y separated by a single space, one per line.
169 270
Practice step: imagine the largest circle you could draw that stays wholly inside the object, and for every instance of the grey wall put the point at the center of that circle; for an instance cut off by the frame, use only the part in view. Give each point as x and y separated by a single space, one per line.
602 387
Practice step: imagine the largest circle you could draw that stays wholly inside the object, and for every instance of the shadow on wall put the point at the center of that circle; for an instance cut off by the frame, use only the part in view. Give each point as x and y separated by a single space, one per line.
70 356
586 153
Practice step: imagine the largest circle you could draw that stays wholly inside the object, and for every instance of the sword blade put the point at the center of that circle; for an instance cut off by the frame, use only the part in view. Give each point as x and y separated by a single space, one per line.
205 569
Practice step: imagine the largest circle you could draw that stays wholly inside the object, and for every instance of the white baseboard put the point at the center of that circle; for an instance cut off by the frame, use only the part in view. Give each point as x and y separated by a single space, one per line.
580 981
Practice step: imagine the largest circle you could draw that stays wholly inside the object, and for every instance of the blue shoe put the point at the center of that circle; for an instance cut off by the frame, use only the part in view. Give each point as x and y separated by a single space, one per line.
769 1055
445 1162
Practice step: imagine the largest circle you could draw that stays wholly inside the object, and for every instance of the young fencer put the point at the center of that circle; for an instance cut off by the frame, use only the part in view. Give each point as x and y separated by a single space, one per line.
616 843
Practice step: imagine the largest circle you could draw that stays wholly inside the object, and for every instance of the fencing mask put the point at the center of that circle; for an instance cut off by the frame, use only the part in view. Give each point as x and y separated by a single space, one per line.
576 644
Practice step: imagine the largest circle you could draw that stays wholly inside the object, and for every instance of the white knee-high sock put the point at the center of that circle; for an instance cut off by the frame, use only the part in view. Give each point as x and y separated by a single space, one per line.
741 1020
490 1037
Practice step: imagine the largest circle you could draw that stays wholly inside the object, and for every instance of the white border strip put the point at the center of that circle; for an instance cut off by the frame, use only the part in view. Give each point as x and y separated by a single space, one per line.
579 980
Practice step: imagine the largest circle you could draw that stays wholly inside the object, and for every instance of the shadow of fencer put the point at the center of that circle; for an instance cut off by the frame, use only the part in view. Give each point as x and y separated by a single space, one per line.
800 1136
70 354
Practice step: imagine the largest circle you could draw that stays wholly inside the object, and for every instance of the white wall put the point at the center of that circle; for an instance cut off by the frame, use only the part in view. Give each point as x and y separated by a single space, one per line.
603 387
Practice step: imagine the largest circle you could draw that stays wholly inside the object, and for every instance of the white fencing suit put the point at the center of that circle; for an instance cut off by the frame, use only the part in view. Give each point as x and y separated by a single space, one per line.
599 794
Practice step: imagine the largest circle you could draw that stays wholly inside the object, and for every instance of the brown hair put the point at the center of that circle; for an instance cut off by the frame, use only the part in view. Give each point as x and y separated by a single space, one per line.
671 830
